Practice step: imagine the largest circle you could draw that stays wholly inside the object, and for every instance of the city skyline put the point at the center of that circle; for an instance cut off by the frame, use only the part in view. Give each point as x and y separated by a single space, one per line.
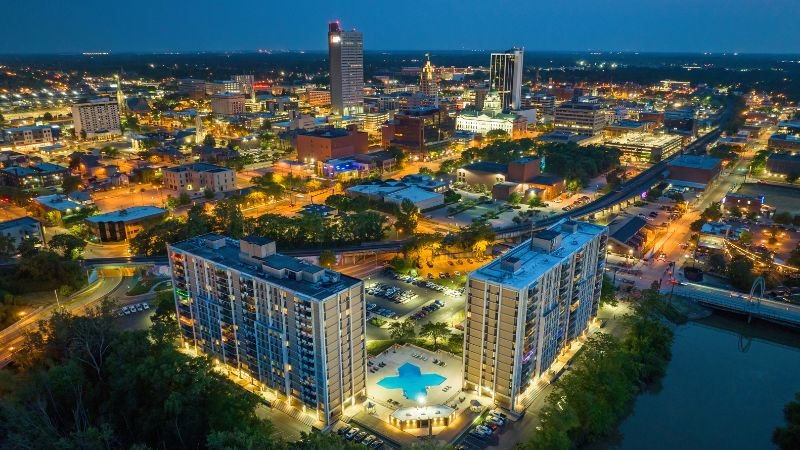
739 27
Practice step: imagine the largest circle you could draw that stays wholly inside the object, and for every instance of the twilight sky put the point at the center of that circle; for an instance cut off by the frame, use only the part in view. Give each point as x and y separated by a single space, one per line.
747 26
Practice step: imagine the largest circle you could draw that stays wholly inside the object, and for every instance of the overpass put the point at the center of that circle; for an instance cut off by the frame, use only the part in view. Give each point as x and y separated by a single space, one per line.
750 304
363 249
627 190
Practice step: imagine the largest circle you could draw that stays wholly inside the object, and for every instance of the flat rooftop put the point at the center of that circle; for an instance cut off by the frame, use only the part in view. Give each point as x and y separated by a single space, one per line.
128 214
697 162
644 140
535 262
228 255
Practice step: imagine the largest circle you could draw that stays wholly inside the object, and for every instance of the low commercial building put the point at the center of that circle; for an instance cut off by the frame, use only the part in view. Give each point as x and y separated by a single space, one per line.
194 179
227 104
745 203
53 207
783 164
523 176
32 135
37 175
395 192
527 306
623 127
630 237
124 224
694 171
642 149
327 143
784 142
713 235
21 229
293 328
418 128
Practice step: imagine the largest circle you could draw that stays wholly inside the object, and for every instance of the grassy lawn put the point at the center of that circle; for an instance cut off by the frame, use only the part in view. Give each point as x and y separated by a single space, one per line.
377 347
143 286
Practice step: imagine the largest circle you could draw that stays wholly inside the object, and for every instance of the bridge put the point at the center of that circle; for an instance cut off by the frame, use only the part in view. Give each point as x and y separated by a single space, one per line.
752 304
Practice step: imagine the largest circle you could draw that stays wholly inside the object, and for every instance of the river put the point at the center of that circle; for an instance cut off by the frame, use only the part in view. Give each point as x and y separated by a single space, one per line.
725 388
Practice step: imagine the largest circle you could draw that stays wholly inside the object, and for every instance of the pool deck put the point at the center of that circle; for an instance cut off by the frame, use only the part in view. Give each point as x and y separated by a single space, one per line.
376 418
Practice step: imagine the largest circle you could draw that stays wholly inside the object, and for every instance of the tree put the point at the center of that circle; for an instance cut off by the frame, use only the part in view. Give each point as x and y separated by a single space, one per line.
536 202
740 272
327 259
496 135
407 216
81 380
746 237
791 177
716 262
515 198
435 331
184 199
228 218
70 246
608 292
8 247
788 436
782 218
209 141
208 194
70 183
402 331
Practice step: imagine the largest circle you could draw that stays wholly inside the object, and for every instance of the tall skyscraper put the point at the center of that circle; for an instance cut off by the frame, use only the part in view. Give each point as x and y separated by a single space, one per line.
428 84
505 76
346 56
289 326
524 308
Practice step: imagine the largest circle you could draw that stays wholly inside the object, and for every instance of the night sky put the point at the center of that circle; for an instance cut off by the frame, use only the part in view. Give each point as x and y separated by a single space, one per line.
746 26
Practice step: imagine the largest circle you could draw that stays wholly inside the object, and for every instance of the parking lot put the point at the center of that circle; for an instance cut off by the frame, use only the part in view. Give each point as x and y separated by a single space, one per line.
485 432
402 297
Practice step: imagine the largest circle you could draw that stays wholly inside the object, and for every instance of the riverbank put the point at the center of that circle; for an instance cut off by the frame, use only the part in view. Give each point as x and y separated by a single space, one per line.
589 401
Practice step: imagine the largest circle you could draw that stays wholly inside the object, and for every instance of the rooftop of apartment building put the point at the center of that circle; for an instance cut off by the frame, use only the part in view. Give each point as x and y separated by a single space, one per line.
533 258
327 132
256 256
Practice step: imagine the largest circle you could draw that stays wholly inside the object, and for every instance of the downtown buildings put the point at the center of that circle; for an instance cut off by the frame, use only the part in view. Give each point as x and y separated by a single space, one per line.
346 57
287 325
525 307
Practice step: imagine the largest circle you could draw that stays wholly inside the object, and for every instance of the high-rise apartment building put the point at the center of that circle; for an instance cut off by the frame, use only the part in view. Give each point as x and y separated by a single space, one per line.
346 56
288 326
96 117
524 308
505 77
428 84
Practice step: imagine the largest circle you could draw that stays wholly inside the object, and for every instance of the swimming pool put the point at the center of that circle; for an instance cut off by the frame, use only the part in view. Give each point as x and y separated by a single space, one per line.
412 381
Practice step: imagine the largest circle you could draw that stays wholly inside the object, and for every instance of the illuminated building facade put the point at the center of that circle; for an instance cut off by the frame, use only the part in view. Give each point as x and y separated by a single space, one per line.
346 57
525 307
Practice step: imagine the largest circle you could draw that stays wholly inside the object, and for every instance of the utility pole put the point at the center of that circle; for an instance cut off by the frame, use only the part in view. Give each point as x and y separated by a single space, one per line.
58 303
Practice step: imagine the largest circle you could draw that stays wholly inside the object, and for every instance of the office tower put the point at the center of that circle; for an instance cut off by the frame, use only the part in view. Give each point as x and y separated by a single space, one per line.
524 308
285 325
227 104
580 117
505 77
346 56
246 84
96 117
428 84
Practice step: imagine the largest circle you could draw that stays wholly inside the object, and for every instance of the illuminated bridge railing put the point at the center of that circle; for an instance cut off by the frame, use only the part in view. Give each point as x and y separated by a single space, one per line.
738 302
